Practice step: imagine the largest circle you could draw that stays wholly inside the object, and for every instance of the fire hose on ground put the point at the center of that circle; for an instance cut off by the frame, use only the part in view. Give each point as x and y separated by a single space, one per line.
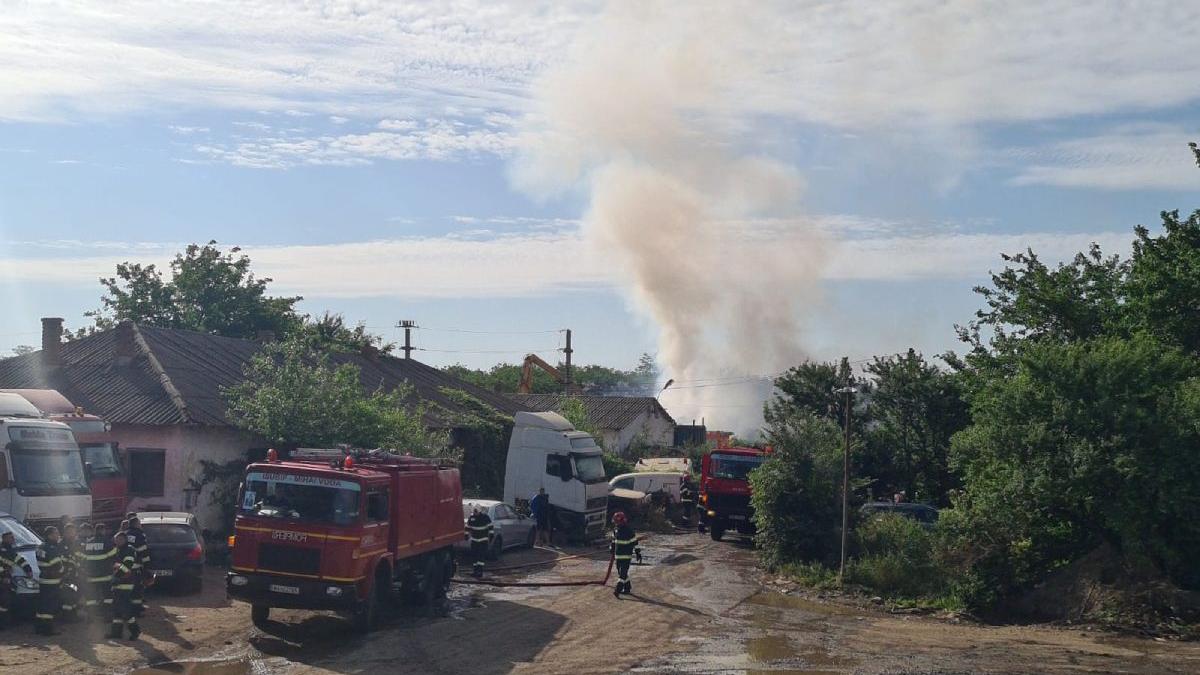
531 584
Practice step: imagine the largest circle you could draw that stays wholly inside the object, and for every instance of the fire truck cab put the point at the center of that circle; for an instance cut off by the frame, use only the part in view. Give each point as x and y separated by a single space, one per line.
725 490
345 531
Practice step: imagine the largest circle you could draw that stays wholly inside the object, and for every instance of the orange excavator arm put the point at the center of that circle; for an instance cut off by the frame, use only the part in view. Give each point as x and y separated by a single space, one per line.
531 360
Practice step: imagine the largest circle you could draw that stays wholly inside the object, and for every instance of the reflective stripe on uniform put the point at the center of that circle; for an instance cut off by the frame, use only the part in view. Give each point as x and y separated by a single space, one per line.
44 617
479 540
132 621
49 582
623 557
96 580
121 587
137 601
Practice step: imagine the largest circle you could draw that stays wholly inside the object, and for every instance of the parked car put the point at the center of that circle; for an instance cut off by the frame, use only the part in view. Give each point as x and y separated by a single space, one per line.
651 482
176 549
509 528
922 513
27 543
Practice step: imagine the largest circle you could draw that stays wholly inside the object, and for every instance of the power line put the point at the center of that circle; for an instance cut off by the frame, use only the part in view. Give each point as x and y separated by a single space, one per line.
487 351
490 332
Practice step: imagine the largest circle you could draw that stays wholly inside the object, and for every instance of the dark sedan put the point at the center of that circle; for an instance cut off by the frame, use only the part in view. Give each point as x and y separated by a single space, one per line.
926 515
176 549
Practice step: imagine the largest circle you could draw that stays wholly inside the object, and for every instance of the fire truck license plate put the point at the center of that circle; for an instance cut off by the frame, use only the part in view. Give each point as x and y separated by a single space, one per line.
290 590
737 517
163 573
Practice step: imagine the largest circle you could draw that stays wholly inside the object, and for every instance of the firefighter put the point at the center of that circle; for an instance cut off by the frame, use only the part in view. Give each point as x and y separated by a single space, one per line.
10 560
51 567
687 502
98 553
479 531
624 546
137 539
124 581
70 587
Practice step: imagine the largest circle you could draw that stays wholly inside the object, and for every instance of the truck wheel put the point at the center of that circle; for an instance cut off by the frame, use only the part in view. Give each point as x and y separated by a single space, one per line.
259 615
367 614
716 532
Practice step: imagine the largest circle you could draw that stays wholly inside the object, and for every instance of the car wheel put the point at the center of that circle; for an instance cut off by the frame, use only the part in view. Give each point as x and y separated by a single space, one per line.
496 548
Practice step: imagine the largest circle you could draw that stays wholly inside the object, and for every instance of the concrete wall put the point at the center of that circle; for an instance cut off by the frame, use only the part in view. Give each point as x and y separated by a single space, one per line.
184 447
654 429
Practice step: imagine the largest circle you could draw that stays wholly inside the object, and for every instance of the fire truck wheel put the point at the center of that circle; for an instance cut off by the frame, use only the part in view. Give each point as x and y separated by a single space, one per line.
716 532
259 615
368 612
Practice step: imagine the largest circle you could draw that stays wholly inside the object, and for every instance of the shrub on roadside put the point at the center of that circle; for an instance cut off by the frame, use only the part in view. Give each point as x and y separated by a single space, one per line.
795 493
896 557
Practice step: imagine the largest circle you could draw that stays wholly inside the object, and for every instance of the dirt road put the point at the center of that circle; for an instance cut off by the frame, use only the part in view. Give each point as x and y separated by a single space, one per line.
700 606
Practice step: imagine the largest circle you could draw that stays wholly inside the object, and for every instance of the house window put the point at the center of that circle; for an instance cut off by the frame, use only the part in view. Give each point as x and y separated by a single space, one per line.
147 468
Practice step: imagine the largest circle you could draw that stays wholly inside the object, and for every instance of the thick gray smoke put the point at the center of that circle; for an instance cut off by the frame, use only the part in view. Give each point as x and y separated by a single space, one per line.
683 197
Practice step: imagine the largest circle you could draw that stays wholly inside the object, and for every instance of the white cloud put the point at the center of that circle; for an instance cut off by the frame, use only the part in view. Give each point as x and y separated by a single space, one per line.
185 131
434 139
926 62
544 262
1131 157
397 125
338 119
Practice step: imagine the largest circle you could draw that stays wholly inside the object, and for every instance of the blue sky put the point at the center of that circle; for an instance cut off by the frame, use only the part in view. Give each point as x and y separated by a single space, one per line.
374 159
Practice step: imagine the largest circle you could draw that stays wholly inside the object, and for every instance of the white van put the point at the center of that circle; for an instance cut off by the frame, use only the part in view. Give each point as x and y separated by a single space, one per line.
42 477
650 482
547 452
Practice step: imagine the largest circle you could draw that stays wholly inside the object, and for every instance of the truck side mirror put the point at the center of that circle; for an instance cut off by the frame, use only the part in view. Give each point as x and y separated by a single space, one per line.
87 471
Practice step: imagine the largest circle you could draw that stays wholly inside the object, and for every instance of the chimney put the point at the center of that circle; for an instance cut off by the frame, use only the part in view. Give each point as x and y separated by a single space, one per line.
124 349
52 329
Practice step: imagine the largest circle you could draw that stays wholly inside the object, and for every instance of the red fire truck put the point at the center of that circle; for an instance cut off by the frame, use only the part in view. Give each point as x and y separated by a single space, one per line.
344 530
725 490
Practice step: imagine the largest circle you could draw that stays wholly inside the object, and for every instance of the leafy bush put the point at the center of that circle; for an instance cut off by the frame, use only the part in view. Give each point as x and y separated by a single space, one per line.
796 492
896 557
615 465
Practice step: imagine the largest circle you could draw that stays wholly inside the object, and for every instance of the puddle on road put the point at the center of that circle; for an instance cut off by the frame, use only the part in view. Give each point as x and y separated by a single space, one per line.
770 648
781 601
235 667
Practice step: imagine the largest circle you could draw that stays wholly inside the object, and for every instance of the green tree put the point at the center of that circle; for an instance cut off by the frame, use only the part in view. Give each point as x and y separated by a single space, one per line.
795 493
812 387
209 290
913 409
1163 289
294 396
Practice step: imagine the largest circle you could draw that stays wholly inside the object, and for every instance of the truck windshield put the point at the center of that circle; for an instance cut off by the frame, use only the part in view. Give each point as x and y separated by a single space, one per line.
48 470
589 468
103 458
734 467
301 497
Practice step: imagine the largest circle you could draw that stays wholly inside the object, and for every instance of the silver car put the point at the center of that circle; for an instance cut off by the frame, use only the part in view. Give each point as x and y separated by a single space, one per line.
27 544
509 528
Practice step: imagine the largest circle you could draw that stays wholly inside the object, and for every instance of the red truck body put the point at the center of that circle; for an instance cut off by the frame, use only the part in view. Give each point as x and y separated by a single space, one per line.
101 456
725 490
324 533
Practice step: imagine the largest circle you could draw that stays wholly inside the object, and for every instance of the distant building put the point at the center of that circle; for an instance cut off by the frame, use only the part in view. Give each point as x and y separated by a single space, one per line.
620 420
161 391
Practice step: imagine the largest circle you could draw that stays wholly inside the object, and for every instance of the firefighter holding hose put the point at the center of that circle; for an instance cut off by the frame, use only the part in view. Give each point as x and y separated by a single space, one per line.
624 546
479 531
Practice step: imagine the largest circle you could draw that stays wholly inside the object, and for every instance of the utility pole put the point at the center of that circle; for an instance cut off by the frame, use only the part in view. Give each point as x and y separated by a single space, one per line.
567 351
848 391
407 326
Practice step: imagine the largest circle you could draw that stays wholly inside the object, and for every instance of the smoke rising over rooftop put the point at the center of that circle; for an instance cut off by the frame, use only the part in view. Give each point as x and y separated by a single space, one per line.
644 115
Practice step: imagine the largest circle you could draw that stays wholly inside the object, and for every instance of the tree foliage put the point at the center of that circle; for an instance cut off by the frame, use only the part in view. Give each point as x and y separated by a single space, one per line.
294 396
795 493
593 379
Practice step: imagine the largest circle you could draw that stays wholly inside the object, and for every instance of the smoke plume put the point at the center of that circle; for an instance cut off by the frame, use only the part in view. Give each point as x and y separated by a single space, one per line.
645 116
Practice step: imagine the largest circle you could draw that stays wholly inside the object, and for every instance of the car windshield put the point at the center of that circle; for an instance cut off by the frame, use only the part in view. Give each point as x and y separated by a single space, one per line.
169 533
103 458
299 496
48 470
735 467
21 534
589 468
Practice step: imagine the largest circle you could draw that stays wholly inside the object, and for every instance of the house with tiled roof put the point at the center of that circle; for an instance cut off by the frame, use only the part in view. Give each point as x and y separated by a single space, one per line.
621 421
161 390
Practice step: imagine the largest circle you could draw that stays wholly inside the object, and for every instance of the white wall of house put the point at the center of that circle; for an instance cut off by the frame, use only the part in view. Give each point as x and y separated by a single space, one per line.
653 428
181 448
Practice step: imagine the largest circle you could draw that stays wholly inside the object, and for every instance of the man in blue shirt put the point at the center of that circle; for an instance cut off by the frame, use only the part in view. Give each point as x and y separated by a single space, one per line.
539 507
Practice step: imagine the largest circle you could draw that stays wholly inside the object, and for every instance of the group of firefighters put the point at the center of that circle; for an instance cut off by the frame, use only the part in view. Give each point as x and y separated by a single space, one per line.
83 573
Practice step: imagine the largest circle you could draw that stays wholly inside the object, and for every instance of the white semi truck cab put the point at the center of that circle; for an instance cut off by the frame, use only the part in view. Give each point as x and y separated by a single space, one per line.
547 452
41 469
